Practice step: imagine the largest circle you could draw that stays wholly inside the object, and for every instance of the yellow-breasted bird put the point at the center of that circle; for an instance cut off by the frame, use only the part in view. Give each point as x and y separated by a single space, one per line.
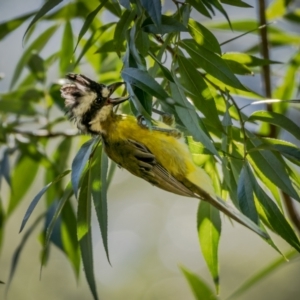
158 156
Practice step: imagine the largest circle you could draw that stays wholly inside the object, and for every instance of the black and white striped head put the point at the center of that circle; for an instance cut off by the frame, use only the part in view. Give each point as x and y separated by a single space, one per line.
84 98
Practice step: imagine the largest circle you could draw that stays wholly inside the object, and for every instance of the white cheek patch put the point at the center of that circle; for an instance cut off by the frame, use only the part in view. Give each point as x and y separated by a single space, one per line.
105 92
84 104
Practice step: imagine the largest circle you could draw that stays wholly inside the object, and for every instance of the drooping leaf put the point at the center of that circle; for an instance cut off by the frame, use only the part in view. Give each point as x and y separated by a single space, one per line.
37 46
8 26
245 195
84 233
121 29
273 168
211 63
37 198
237 3
99 190
19 183
198 91
48 5
88 21
203 36
168 24
200 289
277 119
145 82
153 8
200 7
66 52
79 163
263 273
209 232
189 118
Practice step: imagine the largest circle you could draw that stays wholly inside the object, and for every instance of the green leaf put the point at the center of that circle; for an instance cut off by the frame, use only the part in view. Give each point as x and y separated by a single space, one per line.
69 236
20 184
273 168
99 192
79 163
199 6
237 3
37 198
209 232
37 67
198 90
293 16
218 6
8 26
276 119
168 24
277 9
245 195
153 8
144 81
121 29
58 209
88 21
262 274
273 217
211 63
66 52
36 46
19 249
45 8
84 233
203 36
287 149
248 60
200 289
125 4
4 167
189 117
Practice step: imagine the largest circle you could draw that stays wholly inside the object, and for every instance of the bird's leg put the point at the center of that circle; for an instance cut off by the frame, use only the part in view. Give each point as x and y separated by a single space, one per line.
166 117
172 132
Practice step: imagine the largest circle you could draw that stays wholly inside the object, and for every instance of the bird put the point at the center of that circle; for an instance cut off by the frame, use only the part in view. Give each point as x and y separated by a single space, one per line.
156 154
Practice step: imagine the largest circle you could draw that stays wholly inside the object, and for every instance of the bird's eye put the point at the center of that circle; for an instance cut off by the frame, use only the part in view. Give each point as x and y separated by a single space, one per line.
98 100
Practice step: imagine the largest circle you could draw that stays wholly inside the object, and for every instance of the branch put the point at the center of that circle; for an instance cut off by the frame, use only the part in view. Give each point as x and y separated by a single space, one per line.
46 133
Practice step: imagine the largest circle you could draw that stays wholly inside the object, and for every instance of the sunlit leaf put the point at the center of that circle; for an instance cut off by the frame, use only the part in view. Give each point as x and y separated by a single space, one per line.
277 119
211 63
203 36
209 232
200 289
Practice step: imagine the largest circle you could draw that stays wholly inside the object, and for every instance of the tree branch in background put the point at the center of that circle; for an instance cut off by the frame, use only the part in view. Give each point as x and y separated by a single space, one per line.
266 74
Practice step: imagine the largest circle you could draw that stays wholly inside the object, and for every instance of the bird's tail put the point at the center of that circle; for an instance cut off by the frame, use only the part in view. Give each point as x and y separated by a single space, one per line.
234 214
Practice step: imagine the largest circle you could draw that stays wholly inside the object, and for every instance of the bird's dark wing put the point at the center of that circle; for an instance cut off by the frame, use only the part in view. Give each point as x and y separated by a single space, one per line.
139 160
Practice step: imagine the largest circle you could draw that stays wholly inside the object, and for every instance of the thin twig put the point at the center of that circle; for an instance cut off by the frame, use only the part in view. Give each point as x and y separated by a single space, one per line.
41 133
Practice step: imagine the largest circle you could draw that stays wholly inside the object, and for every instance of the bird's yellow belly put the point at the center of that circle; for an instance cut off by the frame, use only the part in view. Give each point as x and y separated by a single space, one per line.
169 151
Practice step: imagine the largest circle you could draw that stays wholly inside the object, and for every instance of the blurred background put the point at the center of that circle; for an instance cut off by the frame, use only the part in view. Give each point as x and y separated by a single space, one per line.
151 232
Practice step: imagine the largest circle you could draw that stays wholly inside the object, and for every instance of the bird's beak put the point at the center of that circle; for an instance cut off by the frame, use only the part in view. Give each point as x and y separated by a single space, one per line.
112 88
117 101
